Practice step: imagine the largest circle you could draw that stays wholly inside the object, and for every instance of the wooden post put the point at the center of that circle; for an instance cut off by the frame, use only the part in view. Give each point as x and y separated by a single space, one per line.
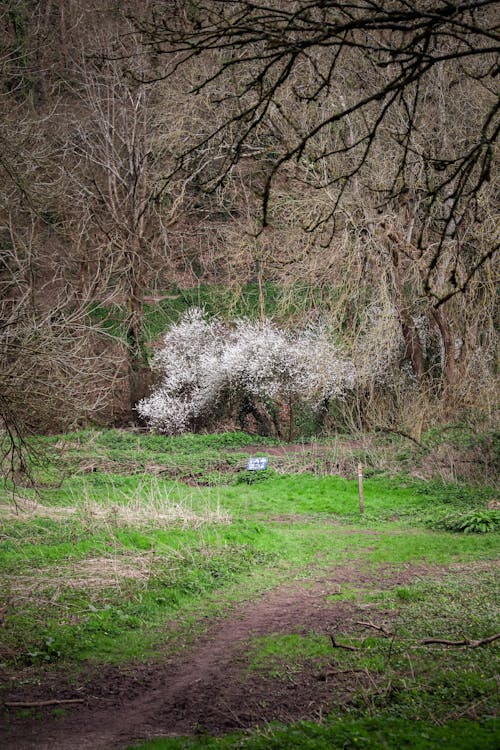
360 487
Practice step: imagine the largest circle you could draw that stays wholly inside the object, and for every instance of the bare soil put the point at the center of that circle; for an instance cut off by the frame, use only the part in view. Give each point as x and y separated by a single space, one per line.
207 687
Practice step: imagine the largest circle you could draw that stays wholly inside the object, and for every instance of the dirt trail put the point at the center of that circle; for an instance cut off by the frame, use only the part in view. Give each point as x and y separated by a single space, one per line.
207 688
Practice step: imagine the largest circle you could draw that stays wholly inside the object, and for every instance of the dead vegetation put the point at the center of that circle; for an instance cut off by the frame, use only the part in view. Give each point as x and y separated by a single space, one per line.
87 221
109 571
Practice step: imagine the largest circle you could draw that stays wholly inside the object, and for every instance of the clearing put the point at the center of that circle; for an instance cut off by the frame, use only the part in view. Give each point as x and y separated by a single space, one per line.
213 607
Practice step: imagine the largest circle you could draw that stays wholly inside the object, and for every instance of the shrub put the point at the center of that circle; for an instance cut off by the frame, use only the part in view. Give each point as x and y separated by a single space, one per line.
209 368
473 522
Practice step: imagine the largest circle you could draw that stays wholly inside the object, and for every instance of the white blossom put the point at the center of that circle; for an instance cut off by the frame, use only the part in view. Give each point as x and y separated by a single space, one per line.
205 364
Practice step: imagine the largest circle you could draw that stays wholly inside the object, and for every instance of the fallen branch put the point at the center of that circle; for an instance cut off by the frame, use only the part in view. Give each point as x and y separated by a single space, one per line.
341 645
380 628
40 704
466 642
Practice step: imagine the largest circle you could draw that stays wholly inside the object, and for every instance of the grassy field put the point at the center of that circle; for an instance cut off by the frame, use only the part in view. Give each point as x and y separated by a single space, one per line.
131 545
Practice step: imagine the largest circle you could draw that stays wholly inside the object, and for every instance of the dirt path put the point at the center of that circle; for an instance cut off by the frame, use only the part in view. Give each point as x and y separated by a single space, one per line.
207 688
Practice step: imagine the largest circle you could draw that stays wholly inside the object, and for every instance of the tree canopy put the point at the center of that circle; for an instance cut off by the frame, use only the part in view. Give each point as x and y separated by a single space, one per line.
341 86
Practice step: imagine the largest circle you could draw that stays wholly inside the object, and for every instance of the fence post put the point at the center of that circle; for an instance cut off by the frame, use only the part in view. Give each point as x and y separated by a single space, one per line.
360 487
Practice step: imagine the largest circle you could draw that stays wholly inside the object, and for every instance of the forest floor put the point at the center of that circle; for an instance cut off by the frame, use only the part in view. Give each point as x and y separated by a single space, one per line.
323 616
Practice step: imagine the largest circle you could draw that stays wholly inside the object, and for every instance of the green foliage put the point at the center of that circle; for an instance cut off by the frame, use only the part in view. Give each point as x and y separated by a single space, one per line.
254 477
216 300
122 440
408 593
473 522
461 436
102 454
449 493
445 681
225 302
282 654
475 452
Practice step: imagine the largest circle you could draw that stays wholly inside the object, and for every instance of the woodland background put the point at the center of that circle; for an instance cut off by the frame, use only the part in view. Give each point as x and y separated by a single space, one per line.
114 219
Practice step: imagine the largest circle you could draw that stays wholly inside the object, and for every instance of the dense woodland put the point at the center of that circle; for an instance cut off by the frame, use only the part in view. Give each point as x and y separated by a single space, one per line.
343 169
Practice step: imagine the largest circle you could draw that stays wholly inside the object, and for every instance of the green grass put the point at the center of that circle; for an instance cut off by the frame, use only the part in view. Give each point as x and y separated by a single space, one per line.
119 454
181 568
199 539
144 538
410 679
381 733
332 495
119 623
279 655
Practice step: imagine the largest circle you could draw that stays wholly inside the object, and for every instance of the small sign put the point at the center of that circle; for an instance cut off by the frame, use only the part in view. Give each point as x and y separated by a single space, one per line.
257 464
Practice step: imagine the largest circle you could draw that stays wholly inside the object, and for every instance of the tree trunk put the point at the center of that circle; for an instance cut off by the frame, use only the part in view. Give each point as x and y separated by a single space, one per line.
136 364
448 341
412 344
411 338
291 417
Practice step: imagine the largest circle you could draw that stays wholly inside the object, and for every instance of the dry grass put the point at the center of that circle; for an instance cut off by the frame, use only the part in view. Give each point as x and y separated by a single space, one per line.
149 505
164 515
23 508
109 571
338 456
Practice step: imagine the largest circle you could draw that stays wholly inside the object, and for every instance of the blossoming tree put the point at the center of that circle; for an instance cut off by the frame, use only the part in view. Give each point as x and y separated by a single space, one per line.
209 370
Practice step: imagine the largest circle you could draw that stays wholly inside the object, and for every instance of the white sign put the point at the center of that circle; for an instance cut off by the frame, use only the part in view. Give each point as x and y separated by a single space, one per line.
257 464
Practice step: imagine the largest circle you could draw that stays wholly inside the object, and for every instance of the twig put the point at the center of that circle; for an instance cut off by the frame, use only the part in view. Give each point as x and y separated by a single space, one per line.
389 653
228 710
341 645
466 642
38 704
469 710
380 628
385 633
401 433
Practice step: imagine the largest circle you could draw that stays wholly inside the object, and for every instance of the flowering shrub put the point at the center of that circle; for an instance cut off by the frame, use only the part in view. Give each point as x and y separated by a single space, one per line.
208 368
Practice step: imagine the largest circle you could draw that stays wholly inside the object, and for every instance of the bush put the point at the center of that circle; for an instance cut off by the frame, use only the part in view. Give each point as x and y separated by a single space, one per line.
209 368
473 522
252 477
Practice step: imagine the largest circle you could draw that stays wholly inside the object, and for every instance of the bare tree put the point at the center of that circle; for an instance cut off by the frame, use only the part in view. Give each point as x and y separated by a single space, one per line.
388 56
55 370
118 140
